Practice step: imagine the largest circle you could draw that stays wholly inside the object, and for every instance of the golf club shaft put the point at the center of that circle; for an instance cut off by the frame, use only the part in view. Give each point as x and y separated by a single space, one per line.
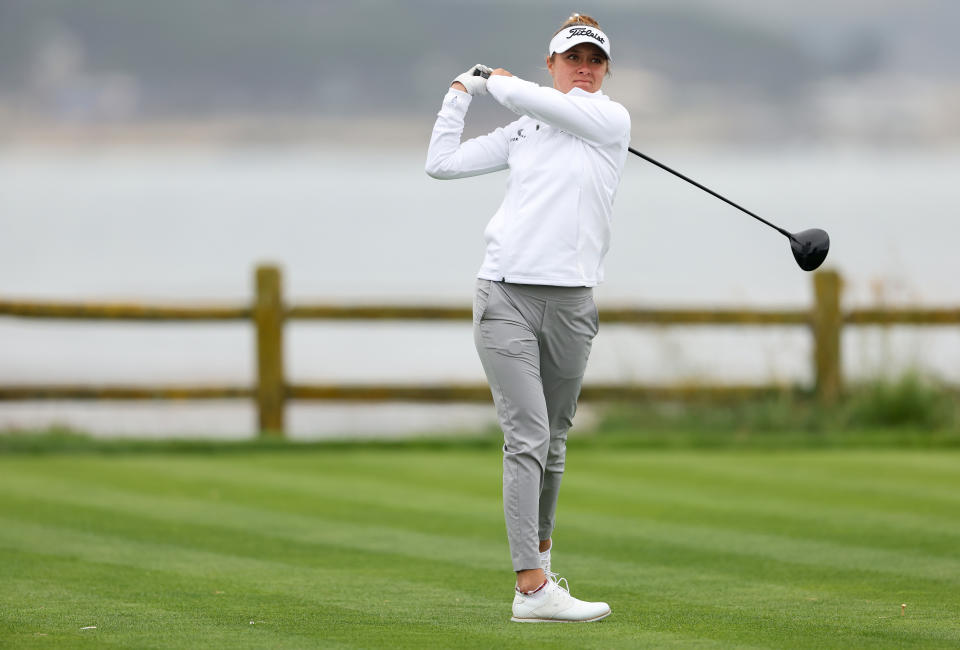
708 190
659 164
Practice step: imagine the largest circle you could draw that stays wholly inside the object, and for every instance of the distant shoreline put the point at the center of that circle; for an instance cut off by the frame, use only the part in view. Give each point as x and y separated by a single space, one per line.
398 133
225 131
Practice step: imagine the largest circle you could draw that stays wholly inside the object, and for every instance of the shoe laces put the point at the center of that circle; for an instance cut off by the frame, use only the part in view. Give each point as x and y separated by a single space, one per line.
555 578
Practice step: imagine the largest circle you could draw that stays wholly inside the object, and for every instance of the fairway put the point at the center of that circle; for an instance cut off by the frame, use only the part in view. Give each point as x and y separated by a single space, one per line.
392 547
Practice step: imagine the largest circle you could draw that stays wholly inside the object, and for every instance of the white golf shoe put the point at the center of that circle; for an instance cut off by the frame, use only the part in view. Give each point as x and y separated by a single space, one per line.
553 603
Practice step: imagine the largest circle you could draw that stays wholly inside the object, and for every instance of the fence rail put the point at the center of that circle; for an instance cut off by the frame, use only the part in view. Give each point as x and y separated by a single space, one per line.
269 313
902 317
122 311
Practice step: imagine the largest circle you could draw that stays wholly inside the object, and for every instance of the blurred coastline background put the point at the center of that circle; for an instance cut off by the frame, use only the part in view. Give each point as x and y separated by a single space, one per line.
158 151
707 72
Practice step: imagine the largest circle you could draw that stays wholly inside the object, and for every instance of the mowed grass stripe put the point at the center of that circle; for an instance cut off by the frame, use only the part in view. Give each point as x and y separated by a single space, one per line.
231 526
768 511
379 539
216 525
263 574
344 478
91 549
662 588
309 542
802 479
718 539
787 515
286 488
581 511
353 591
905 464
365 489
64 595
262 506
221 607
803 483
825 472
471 623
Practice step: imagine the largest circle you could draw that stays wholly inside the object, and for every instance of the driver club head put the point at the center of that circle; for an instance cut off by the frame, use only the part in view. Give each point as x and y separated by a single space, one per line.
810 248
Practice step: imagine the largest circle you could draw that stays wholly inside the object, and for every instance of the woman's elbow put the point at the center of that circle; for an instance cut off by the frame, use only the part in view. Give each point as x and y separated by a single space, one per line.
437 169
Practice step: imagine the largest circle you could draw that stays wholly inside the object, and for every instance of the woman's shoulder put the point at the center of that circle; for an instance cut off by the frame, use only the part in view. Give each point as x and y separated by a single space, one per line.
599 99
618 114
617 106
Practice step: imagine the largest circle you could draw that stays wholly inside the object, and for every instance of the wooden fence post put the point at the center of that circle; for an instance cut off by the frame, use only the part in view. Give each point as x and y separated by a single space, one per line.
827 327
268 318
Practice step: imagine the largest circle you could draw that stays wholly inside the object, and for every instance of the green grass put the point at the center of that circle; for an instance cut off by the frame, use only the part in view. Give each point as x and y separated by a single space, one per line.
369 546
906 410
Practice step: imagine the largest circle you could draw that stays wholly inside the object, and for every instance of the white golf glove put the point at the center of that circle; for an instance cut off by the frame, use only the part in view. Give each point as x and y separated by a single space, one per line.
475 79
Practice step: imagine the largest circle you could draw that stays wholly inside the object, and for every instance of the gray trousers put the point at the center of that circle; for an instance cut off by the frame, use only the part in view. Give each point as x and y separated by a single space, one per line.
533 342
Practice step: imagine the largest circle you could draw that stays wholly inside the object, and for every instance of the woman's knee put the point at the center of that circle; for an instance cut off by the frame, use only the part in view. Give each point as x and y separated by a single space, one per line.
556 454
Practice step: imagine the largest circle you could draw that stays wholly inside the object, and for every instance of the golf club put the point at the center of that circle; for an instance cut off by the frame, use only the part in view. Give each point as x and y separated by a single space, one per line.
809 247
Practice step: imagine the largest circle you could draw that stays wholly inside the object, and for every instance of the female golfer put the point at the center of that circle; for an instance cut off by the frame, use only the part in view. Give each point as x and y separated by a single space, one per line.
534 316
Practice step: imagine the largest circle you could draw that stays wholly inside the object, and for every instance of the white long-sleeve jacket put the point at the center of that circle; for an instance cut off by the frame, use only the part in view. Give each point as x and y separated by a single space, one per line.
565 154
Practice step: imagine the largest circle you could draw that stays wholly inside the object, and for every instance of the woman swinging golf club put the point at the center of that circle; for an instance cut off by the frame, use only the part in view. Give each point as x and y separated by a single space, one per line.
534 316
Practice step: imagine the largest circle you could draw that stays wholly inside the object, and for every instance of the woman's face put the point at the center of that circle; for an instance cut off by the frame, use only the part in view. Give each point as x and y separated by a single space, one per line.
582 66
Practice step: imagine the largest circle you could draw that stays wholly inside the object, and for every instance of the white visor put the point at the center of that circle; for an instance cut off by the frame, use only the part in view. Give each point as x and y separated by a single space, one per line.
576 34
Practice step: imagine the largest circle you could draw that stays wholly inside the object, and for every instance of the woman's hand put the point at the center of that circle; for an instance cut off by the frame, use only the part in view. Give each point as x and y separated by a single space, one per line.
500 72
473 81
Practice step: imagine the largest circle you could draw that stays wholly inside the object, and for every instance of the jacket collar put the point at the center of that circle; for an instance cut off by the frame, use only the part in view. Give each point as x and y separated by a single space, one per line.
580 92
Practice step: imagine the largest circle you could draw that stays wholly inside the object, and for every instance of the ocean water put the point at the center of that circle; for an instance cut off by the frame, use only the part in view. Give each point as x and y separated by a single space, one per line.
190 225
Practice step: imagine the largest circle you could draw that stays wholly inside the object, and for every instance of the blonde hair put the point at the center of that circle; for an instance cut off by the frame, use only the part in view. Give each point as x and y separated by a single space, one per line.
578 19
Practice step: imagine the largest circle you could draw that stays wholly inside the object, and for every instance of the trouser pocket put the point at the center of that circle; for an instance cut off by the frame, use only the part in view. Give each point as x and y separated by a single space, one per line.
481 297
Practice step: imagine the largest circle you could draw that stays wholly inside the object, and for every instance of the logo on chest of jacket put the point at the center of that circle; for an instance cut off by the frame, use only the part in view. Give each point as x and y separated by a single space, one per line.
518 136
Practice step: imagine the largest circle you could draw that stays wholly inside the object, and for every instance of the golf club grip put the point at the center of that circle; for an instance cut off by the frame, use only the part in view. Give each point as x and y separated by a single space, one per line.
481 73
783 232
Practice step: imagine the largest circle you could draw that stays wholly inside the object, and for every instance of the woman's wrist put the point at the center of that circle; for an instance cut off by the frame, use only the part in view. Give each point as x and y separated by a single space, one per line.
456 85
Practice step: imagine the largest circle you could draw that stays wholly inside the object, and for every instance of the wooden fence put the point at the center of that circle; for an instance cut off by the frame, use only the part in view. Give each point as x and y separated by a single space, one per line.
269 313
